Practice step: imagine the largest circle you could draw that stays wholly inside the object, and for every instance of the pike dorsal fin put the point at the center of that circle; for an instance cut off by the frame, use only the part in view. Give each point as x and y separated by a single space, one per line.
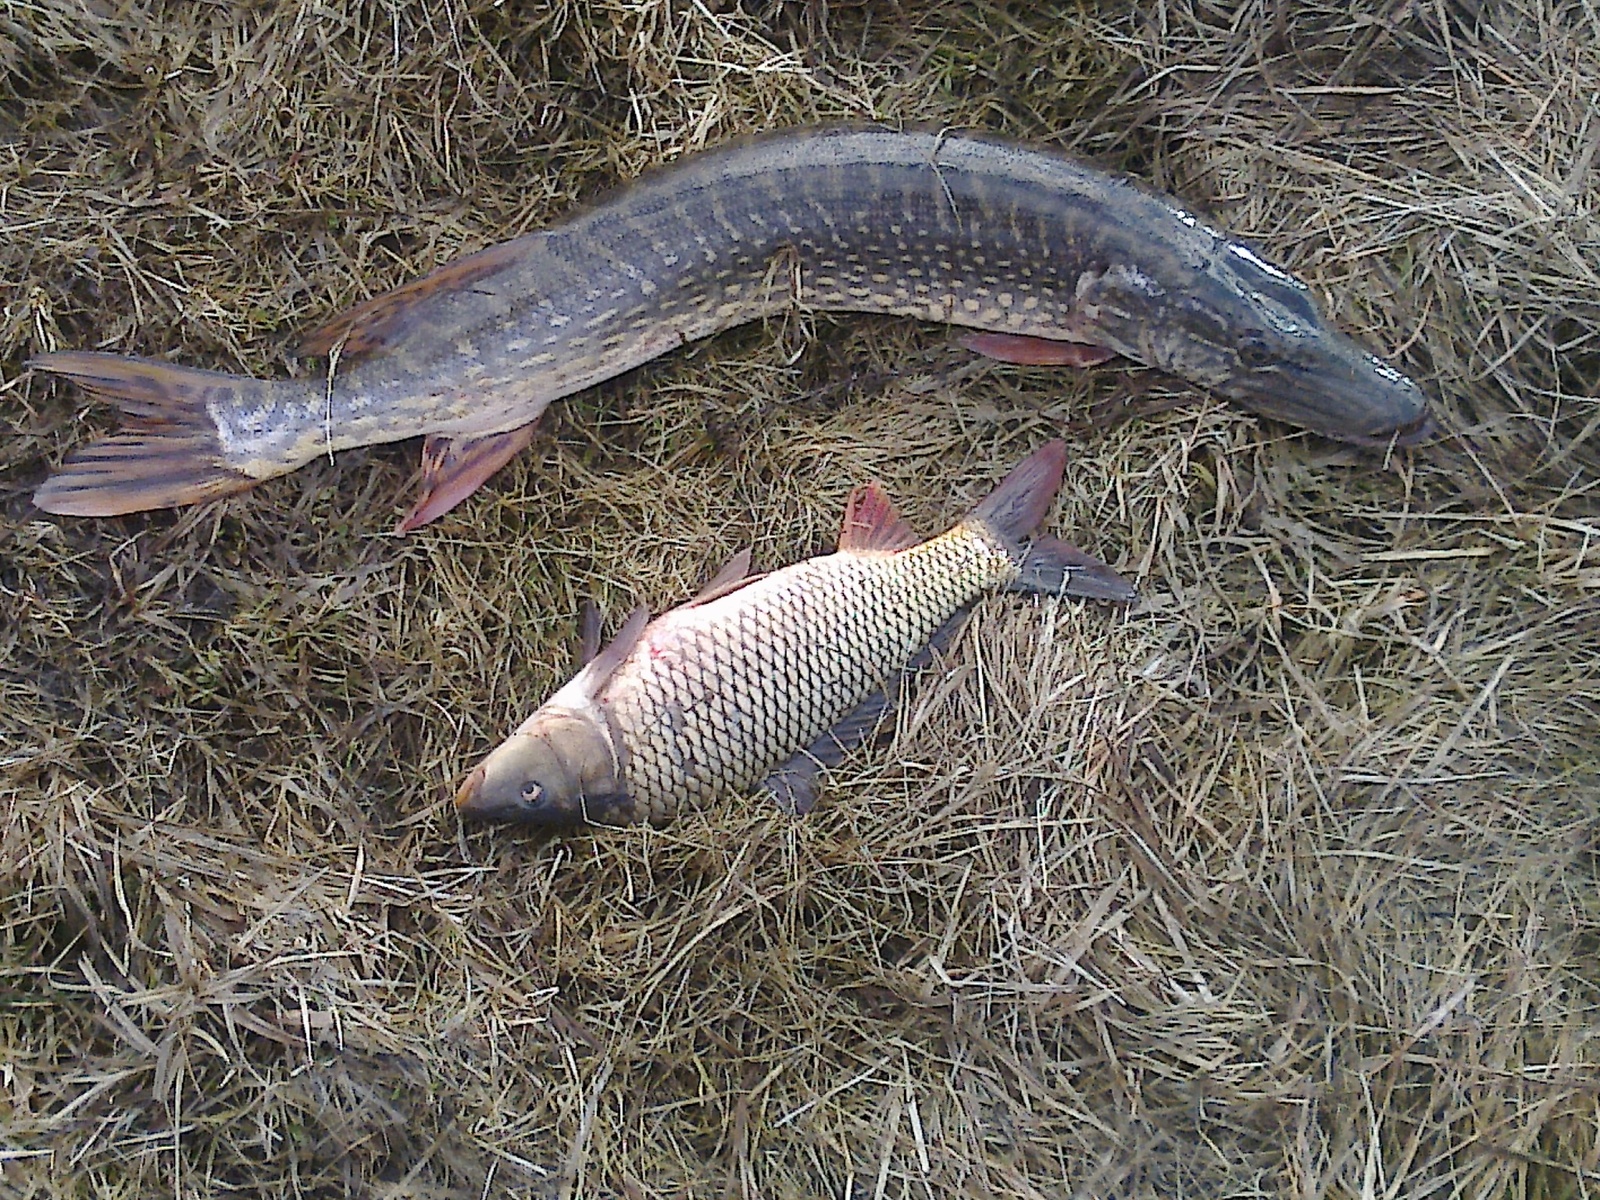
376 325
871 523
587 682
735 573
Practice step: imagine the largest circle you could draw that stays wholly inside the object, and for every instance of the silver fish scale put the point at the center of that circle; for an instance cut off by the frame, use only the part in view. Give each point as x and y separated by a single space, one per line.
733 688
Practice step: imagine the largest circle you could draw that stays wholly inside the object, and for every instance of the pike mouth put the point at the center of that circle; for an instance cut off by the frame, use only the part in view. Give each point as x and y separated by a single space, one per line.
1423 429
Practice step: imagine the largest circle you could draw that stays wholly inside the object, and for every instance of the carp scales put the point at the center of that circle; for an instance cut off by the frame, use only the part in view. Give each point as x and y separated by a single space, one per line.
1043 259
770 678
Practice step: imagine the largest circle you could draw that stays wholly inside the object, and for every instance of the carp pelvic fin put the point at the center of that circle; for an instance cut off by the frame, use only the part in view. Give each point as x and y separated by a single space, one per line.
735 574
169 452
454 468
375 325
871 523
792 785
1035 351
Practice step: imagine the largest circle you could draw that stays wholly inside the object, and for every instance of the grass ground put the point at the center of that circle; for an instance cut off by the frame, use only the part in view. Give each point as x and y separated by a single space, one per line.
1283 883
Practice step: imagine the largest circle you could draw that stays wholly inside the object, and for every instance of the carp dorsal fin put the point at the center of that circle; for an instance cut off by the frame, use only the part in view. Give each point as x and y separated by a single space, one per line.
871 523
735 573
375 325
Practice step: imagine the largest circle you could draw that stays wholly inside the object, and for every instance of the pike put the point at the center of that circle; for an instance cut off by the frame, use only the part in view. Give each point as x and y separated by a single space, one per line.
771 678
1043 260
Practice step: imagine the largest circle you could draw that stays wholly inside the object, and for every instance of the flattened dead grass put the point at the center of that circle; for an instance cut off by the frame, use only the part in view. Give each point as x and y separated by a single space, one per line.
1282 884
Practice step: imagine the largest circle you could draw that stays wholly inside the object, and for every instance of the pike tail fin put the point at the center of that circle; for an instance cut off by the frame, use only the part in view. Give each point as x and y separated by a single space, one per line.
1015 508
168 454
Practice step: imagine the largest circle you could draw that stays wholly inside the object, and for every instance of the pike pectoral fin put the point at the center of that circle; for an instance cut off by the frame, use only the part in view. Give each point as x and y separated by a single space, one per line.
454 468
1035 352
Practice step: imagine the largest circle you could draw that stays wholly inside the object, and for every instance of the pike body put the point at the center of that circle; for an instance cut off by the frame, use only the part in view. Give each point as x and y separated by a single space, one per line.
771 677
1047 259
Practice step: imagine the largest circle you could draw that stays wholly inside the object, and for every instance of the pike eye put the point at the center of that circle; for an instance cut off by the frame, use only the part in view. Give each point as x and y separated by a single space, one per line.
531 792
1254 354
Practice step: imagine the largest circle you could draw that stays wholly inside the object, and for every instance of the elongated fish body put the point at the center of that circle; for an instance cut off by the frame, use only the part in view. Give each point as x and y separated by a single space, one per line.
766 678
1051 260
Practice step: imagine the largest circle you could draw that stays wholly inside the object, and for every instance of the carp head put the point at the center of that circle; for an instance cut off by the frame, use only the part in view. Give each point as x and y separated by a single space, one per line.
1252 332
557 769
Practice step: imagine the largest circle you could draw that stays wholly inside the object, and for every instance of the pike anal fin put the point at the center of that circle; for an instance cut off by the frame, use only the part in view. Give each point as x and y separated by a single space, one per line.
454 468
1035 351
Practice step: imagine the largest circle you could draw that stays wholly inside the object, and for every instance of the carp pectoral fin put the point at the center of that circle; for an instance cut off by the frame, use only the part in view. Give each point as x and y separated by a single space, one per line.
588 632
375 325
603 665
454 468
871 523
735 573
1034 351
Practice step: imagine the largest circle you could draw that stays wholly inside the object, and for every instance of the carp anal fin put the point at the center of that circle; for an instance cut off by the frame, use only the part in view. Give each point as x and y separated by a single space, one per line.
168 453
793 783
735 574
1035 351
871 523
453 468
376 325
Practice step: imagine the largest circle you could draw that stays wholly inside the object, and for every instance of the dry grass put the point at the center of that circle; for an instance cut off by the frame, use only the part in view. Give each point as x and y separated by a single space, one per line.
1283 884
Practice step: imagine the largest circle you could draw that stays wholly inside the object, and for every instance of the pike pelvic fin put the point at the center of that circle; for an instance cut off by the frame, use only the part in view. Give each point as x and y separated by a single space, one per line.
168 453
871 523
1035 351
375 325
453 468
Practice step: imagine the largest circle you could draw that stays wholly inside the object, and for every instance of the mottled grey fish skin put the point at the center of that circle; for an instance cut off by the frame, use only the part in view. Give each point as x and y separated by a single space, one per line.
960 229
950 228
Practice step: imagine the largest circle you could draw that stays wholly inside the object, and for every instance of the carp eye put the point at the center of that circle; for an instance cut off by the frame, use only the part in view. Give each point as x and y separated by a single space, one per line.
531 791
1254 354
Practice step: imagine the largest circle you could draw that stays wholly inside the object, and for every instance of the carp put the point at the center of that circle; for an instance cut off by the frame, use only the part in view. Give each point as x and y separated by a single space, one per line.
770 678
